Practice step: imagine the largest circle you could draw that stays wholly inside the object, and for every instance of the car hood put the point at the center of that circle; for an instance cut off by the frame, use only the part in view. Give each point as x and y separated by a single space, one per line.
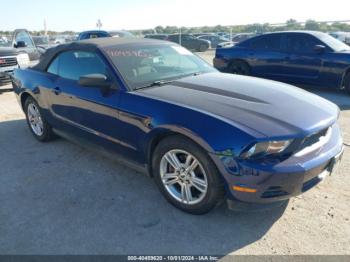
8 51
259 107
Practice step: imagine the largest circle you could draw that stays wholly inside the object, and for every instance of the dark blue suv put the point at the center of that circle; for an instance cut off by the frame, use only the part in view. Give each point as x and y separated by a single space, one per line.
93 34
303 58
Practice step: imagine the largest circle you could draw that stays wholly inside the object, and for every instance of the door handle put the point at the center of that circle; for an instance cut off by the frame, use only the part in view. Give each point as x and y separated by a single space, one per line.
56 90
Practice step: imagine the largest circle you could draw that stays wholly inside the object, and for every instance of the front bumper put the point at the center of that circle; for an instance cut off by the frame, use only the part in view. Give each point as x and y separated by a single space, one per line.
5 74
278 182
5 78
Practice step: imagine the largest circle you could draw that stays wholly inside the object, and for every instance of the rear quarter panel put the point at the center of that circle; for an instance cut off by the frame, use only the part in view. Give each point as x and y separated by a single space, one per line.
34 83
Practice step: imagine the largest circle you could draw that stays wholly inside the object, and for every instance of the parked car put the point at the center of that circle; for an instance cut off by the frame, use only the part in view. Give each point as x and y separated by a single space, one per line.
157 36
200 34
342 36
224 35
93 34
216 41
190 42
302 58
41 40
20 52
60 40
202 135
121 34
242 37
42 43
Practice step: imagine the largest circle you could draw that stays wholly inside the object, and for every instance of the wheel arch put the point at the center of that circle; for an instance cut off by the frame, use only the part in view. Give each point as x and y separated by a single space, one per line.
23 97
160 134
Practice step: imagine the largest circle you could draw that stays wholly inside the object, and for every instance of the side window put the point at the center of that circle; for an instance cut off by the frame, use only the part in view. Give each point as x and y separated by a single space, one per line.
259 43
53 67
74 64
97 35
301 43
24 36
269 42
174 38
274 42
185 37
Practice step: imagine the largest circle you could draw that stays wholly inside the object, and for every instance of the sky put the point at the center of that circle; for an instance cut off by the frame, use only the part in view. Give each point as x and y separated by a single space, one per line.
79 15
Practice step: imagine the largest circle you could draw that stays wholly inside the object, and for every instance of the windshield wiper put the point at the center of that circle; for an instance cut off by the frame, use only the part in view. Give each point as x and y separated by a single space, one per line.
155 83
164 82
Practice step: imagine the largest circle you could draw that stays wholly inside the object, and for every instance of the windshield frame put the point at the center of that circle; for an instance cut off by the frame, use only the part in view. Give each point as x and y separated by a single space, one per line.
131 87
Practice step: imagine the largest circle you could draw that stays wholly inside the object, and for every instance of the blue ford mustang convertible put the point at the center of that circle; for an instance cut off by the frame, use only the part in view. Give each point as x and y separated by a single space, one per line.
203 136
303 58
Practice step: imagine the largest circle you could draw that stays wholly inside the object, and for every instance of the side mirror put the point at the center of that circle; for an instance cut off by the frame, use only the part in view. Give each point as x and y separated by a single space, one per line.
20 44
94 80
319 48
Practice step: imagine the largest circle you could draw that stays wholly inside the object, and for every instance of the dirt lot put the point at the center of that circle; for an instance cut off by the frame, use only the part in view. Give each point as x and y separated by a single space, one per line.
58 198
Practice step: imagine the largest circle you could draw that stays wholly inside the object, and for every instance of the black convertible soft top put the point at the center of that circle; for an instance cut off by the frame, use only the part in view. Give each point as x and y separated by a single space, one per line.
91 45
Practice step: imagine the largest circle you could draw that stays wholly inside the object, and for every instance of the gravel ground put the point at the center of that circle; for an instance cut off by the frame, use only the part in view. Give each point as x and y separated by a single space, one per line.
58 198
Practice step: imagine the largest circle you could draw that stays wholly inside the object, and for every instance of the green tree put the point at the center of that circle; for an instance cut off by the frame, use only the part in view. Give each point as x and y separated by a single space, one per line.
293 24
171 29
312 25
159 29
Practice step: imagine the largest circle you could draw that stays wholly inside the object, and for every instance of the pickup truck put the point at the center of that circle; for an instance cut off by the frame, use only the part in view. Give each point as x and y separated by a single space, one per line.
18 52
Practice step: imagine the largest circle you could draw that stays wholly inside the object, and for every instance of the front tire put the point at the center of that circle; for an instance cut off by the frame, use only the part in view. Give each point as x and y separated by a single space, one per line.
186 176
37 124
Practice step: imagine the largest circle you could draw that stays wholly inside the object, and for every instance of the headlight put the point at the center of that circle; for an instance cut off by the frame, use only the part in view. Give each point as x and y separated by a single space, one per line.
266 148
23 60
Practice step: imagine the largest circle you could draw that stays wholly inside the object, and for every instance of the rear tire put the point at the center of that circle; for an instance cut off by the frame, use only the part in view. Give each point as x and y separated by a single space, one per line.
240 68
347 83
193 187
37 124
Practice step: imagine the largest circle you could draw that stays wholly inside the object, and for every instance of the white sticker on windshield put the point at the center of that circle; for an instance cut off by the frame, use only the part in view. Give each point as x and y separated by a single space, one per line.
181 50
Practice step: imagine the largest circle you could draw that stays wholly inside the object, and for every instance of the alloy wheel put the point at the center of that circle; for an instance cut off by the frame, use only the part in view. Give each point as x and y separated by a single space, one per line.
183 177
35 121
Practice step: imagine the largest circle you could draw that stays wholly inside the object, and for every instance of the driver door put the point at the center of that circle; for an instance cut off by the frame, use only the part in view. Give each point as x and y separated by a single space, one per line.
88 112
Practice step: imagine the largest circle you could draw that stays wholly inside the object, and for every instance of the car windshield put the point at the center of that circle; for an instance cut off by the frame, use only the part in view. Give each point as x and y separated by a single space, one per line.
333 43
41 40
142 65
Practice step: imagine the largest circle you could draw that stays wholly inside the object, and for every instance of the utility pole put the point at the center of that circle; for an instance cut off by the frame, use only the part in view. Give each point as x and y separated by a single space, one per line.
45 27
180 36
99 24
